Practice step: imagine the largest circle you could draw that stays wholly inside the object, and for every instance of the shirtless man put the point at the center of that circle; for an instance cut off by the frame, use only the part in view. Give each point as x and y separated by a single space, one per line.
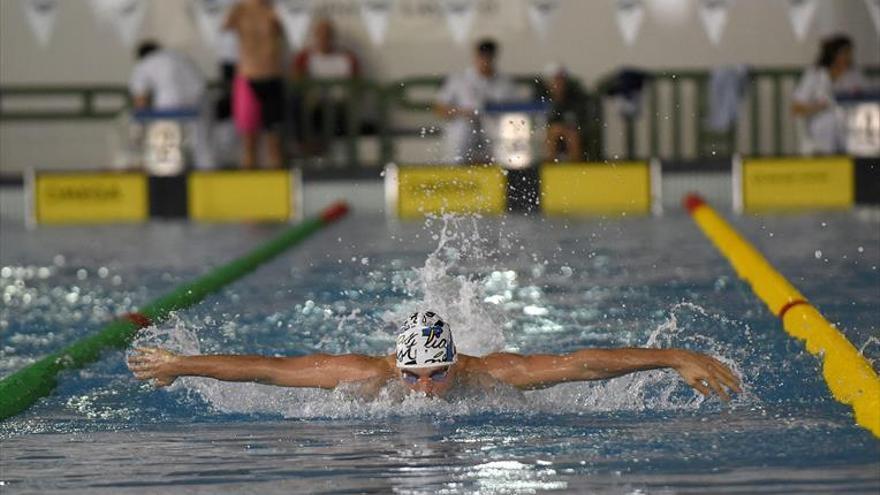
258 89
426 361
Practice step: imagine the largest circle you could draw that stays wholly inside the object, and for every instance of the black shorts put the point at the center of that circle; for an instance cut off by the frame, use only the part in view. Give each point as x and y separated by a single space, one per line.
270 94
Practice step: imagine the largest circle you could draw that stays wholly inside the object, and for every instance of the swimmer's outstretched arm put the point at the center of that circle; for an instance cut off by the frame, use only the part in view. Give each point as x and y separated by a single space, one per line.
315 370
702 372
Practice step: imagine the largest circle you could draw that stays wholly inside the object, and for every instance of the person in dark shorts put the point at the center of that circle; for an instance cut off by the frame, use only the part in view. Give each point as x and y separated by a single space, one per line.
269 96
258 89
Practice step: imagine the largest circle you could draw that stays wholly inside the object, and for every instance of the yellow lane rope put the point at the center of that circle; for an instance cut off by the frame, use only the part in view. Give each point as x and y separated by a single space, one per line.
849 376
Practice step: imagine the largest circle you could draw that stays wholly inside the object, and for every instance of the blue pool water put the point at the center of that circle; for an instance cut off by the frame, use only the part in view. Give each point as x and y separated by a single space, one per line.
522 284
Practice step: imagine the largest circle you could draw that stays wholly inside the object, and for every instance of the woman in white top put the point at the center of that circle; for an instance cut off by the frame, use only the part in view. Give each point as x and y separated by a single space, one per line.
823 129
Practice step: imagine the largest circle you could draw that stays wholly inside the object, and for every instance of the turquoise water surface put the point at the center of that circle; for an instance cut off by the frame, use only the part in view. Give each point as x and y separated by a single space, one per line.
524 284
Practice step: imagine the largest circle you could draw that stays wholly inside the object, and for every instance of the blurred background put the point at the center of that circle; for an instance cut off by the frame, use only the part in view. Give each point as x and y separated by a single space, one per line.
66 72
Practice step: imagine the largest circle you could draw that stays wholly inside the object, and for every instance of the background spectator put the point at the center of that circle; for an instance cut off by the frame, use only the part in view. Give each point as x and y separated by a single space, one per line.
258 90
320 106
566 114
164 79
462 98
323 59
822 128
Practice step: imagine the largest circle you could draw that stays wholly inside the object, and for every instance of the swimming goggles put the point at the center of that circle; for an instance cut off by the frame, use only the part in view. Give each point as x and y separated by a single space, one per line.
438 376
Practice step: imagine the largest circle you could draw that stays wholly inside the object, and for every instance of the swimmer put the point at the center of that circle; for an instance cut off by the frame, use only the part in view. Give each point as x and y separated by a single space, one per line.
426 361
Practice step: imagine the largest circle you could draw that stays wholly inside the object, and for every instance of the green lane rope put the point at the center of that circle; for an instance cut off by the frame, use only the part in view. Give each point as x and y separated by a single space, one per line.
21 389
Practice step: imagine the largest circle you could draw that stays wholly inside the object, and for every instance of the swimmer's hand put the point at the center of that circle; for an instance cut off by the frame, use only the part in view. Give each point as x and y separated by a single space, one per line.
706 374
150 363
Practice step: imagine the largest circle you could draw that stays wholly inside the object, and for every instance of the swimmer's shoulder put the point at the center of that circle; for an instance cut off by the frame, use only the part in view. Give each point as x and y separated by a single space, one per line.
479 364
387 363
476 374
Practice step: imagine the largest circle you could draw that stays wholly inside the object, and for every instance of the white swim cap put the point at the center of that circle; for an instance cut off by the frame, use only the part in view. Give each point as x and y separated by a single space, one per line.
425 341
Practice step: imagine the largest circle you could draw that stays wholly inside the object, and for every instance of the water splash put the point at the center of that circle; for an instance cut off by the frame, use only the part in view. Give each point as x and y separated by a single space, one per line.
655 390
870 342
445 284
458 297
651 390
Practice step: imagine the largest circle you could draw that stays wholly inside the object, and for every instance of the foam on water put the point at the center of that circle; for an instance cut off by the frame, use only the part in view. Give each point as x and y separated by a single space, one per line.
444 285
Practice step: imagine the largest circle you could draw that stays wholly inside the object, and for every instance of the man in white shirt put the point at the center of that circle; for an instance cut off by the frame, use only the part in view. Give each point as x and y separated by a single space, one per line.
462 100
823 126
167 80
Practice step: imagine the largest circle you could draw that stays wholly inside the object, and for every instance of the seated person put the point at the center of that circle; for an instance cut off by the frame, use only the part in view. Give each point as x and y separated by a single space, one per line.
822 130
164 80
323 59
461 99
566 115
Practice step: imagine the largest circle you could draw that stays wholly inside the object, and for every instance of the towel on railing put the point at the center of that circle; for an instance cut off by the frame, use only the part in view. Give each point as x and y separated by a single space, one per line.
727 86
627 84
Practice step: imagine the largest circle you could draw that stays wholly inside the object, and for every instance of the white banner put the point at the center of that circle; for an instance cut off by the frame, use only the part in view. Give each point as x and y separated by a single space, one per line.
124 16
209 16
542 14
459 18
630 14
296 15
375 14
41 16
713 14
874 10
800 13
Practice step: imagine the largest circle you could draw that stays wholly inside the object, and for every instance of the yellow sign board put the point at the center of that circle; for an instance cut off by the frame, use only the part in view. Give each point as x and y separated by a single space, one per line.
424 190
89 197
797 183
229 196
595 188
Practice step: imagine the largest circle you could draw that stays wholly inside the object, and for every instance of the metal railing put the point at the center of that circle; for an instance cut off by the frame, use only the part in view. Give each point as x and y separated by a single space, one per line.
764 127
334 113
324 113
20 102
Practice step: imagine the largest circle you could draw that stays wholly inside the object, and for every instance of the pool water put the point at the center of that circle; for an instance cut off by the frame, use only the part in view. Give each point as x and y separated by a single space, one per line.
524 284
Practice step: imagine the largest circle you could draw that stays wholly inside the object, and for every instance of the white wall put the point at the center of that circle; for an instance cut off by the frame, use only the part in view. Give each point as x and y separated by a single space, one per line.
585 38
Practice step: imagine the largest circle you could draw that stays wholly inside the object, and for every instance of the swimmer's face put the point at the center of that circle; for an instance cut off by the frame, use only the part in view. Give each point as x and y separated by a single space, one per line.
433 382
324 36
843 61
485 63
558 84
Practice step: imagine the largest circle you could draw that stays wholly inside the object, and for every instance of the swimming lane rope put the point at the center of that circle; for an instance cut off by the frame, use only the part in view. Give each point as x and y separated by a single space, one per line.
849 376
21 389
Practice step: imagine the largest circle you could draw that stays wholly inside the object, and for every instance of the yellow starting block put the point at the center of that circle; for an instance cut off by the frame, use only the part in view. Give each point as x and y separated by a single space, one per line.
793 184
212 196
416 191
596 188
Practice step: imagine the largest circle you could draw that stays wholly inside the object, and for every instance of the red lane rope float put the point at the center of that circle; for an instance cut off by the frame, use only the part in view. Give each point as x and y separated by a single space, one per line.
791 304
138 319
